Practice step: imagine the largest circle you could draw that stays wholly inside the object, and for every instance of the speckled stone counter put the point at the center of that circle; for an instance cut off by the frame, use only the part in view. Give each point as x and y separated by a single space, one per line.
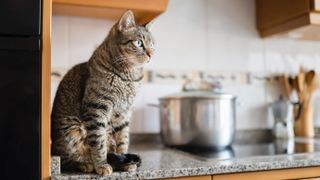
162 162
55 165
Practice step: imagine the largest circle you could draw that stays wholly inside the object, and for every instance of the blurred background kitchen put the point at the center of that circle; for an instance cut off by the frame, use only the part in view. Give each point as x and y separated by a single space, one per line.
216 37
266 53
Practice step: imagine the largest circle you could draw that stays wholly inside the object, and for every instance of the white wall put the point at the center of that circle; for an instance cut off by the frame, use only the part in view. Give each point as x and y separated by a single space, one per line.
211 35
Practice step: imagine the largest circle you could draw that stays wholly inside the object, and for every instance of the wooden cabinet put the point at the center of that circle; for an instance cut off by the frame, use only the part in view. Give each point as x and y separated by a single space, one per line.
293 18
144 10
295 173
192 178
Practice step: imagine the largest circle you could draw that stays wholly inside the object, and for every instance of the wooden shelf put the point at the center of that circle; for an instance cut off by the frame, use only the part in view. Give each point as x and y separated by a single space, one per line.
144 10
299 19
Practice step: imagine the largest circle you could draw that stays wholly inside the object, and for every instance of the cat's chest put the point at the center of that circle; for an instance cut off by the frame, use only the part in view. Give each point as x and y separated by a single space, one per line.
124 96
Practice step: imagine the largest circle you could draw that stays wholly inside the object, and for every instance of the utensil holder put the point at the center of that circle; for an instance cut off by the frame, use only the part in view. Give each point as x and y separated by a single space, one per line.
304 125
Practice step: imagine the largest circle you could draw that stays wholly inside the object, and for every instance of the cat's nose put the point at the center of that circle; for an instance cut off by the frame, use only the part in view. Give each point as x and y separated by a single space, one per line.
149 52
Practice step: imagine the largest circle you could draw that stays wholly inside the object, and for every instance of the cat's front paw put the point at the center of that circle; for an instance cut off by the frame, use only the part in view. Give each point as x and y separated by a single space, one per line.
130 168
103 169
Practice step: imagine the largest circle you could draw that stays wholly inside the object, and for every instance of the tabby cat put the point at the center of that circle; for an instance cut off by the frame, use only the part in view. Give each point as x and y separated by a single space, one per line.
93 104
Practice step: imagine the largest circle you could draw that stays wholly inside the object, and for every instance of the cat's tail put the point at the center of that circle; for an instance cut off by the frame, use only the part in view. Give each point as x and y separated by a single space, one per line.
70 143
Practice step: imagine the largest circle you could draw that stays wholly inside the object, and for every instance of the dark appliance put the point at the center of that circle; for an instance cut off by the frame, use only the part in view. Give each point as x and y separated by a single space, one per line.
20 89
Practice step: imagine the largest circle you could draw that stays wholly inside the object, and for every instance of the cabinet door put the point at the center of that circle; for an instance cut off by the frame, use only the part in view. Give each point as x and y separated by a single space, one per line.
20 114
293 173
274 12
20 17
192 178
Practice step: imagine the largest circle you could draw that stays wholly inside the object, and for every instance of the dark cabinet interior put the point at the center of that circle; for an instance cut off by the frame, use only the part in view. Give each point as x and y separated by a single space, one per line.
20 114
20 89
20 17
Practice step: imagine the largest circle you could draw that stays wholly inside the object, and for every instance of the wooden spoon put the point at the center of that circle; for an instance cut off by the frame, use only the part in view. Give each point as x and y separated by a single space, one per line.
309 77
313 84
301 82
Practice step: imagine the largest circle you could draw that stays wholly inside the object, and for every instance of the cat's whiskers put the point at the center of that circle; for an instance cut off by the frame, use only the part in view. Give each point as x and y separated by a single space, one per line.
121 59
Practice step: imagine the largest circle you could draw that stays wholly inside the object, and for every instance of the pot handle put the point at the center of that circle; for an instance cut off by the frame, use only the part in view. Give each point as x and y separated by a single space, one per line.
299 106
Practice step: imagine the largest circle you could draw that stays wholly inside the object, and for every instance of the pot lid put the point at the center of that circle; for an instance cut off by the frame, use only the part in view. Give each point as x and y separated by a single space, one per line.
199 94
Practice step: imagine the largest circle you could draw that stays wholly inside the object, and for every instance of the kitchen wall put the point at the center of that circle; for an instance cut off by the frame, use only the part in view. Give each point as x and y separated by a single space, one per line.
211 35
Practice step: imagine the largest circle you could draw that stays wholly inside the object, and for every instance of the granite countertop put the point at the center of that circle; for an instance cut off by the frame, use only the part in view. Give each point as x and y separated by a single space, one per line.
162 162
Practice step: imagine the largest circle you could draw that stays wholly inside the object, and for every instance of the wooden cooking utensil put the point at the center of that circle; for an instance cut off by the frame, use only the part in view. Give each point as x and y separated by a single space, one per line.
311 84
301 83
309 77
306 122
298 87
297 122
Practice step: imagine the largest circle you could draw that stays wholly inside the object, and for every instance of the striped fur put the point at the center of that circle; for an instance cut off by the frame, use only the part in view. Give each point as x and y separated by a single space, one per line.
93 103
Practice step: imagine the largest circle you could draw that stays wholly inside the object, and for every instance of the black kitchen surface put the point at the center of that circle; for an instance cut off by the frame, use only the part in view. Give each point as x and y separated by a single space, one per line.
237 150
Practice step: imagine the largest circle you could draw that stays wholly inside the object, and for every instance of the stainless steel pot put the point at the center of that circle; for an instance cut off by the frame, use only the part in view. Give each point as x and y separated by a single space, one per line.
198 118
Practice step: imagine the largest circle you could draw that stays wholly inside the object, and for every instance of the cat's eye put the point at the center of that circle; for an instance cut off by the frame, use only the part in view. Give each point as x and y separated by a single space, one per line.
137 43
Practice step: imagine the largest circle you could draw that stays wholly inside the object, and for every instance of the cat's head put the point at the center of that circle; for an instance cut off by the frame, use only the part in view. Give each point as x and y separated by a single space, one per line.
134 43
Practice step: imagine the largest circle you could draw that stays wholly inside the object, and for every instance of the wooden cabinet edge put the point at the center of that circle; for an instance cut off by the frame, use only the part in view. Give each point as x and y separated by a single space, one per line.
302 20
284 27
154 5
273 12
142 16
191 178
144 10
45 89
305 20
294 173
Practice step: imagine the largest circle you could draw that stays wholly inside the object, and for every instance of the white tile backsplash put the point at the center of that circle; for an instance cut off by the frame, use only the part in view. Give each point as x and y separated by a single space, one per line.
317 57
181 36
85 35
286 55
138 112
234 44
251 107
60 42
316 103
207 35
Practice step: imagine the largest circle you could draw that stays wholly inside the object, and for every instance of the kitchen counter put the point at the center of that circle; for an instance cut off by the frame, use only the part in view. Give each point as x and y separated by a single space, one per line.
162 162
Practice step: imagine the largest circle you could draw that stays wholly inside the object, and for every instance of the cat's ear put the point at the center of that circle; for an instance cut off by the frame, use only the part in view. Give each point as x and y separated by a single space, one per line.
149 25
127 21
